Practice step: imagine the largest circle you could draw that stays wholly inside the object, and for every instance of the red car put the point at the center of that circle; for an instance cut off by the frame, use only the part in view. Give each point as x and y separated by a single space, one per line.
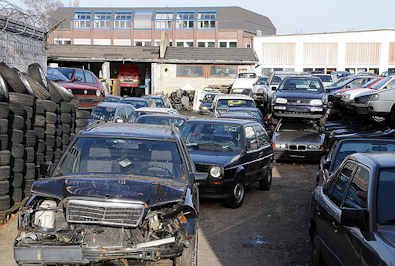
82 83
129 79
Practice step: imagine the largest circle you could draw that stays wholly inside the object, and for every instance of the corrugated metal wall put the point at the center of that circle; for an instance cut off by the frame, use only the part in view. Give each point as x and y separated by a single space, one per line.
323 54
363 54
392 54
279 53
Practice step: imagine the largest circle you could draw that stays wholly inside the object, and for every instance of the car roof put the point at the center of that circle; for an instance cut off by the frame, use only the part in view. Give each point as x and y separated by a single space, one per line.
289 73
113 96
114 104
166 115
245 108
134 99
155 109
129 130
237 115
381 160
233 96
301 77
221 121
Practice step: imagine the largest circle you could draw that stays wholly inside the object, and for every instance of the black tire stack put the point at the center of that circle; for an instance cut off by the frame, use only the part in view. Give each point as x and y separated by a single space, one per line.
81 121
5 157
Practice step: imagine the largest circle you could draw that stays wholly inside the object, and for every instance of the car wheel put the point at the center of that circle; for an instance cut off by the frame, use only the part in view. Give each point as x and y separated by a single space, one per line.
189 254
266 182
237 198
37 73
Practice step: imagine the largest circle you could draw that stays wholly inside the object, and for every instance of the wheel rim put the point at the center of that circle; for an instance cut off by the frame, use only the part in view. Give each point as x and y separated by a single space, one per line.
238 192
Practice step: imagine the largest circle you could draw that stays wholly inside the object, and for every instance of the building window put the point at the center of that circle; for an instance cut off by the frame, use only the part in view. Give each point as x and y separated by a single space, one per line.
201 44
143 19
170 43
207 19
211 44
82 20
185 20
233 44
122 20
62 41
163 21
223 44
180 44
189 71
102 20
156 43
223 71
188 44
145 43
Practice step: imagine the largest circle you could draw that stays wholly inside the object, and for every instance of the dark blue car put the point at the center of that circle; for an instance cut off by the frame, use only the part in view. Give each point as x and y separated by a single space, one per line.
300 97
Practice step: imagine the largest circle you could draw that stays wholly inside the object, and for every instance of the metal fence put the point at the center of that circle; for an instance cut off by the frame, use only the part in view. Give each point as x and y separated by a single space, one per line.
22 41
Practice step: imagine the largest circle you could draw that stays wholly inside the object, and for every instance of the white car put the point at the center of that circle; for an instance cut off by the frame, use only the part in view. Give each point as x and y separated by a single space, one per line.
349 96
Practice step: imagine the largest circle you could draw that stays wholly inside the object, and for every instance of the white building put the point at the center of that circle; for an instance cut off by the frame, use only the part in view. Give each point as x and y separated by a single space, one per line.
353 51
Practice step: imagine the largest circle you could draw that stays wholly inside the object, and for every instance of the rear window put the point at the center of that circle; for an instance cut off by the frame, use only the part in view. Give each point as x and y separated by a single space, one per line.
302 85
247 75
136 103
261 81
103 113
275 80
324 78
227 103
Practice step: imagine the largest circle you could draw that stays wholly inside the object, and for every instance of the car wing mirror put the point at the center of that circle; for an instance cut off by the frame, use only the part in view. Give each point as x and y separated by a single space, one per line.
200 177
46 169
355 218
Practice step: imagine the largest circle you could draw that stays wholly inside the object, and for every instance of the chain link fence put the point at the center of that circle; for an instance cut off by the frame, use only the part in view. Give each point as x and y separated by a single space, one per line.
22 38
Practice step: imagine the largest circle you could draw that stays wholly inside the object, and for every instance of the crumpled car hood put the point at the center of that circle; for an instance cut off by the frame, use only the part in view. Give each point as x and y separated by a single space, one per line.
152 191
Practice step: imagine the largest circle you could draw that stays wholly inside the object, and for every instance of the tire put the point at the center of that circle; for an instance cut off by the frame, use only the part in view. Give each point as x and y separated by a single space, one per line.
50 141
66 107
29 112
65 118
51 118
55 90
4 187
39 91
59 131
3 126
24 99
4 110
3 89
66 129
18 122
17 136
4 142
58 154
40 158
40 132
39 121
43 106
238 195
5 158
4 202
37 73
65 139
12 77
50 129
26 83
30 171
58 142
81 114
17 180
18 151
189 254
19 166
81 123
29 155
49 156
17 195
266 182
16 109
28 187
5 172
40 146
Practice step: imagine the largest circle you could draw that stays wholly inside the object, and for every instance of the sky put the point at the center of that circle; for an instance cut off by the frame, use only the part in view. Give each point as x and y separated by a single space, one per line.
289 16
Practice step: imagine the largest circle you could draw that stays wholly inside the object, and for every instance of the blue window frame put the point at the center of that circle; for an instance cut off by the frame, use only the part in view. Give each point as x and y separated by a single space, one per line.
102 19
185 19
207 19
82 19
164 20
123 20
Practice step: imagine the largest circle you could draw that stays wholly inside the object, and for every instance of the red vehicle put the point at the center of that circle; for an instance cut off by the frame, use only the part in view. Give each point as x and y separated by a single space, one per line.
83 84
128 78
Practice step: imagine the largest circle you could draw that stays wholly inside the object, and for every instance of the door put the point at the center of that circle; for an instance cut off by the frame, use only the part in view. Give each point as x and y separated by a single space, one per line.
252 154
265 150
328 214
386 98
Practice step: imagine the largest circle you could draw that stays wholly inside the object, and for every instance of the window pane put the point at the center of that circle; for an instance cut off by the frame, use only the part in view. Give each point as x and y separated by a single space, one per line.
222 44
233 44
79 76
223 71
338 185
189 44
180 44
201 44
251 140
89 78
211 44
189 71
357 194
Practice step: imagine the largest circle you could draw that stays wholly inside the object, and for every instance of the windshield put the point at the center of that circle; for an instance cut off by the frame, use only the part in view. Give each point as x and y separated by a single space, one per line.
103 113
247 75
301 85
262 81
241 91
228 103
275 80
385 197
121 156
55 75
362 146
344 82
212 137
67 72
341 80
158 120
324 78
158 102
380 83
136 103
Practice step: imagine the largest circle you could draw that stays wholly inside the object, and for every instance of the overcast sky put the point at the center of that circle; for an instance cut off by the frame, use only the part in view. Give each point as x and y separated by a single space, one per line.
289 16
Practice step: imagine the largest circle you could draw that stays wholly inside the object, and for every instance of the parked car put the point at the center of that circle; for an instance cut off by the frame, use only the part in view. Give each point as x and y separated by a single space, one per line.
158 101
206 105
353 81
234 153
154 110
223 102
298 139
111 112
242 91
129 79
352 217
277 76
300 97
248 110
238 115
162 119
387 73
83 84
113 98
262 94
120 192
325 78
137 102
336 75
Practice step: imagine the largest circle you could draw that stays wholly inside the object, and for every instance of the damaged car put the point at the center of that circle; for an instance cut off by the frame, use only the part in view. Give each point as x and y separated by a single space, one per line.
121 193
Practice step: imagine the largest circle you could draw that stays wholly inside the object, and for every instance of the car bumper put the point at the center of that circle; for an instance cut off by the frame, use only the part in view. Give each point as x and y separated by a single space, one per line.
88 102
75 254
216 191
314 112
287 155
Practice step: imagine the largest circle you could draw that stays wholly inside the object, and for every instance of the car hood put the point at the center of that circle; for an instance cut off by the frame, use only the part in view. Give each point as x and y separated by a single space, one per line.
74 85
152 191
298 137
387 232
213 157
301 95
359 92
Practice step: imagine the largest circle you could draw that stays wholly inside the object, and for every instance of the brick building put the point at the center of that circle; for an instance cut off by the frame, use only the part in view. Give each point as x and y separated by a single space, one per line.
210 27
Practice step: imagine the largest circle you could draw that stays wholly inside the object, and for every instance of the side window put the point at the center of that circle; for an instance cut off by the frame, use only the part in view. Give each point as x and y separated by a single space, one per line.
89 77
391 85
338 185
251 141
262 136
129 112
79 76
357 194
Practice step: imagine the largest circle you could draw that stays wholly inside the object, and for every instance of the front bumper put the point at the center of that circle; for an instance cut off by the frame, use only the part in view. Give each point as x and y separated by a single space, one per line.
289 155
222 190
76 254
88 102
299 111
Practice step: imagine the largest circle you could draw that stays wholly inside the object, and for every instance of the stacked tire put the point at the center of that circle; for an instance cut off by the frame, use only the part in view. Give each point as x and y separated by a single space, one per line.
81 121
5 158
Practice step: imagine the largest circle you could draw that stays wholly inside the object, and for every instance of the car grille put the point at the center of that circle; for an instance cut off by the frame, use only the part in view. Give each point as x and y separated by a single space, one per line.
202 167
297 147
103 212
82 91
298 101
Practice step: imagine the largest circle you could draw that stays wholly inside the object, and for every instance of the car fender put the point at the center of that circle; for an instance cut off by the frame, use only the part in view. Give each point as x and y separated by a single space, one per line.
240 171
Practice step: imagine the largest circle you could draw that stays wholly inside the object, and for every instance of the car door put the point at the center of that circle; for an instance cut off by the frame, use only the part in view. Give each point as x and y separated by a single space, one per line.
387 98
265 150
327 214
252 154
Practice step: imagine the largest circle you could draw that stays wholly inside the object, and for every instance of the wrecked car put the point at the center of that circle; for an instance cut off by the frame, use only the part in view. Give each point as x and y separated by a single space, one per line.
121 192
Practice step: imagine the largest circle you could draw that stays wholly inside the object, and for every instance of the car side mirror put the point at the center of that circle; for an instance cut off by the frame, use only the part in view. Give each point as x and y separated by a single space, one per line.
200 177
355 218
46 169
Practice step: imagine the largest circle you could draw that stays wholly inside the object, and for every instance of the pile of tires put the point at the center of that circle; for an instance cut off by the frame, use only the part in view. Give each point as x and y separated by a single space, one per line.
37 122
